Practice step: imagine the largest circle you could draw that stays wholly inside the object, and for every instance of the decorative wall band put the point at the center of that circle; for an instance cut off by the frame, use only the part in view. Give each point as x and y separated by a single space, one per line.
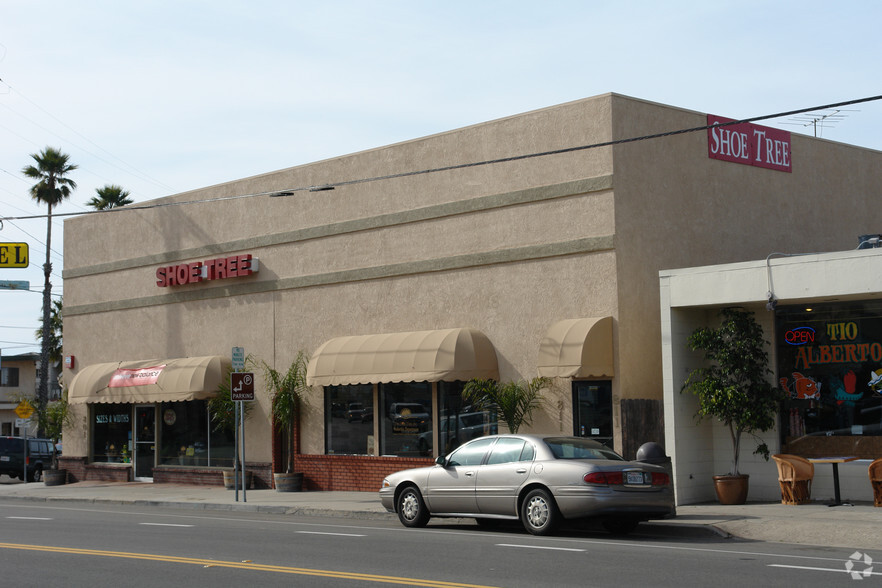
457 262
437 211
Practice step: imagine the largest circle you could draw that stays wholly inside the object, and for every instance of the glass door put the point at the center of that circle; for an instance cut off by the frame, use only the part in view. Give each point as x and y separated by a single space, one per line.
592 411
144 457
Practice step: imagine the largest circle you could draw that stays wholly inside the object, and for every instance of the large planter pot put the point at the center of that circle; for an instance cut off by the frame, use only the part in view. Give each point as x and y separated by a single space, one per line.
230 479
731 489
54 477
292 482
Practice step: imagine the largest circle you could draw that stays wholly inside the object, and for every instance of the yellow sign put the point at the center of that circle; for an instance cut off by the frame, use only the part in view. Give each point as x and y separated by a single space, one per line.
13 255
24 410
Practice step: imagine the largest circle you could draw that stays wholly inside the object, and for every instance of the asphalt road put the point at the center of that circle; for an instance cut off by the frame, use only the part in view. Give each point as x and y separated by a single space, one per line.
95 545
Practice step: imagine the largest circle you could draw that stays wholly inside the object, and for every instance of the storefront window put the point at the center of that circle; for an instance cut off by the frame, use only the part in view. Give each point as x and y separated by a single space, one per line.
830 364
460 422
406 418
349 419
185 436
188 438
112 433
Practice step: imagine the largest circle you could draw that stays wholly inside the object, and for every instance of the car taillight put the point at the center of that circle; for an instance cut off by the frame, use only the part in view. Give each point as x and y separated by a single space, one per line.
603 478
660 479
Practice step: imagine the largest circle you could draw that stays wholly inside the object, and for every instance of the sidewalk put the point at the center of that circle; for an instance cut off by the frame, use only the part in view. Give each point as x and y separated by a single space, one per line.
857 527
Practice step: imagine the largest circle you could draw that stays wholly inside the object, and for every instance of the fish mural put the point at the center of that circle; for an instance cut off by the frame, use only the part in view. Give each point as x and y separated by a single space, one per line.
804 388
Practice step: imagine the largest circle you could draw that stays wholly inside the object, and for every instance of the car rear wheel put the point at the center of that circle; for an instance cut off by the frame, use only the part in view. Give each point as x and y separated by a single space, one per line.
412 511
539 513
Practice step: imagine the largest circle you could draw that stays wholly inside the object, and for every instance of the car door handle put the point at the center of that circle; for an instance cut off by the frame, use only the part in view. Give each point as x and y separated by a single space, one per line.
469 474
521 471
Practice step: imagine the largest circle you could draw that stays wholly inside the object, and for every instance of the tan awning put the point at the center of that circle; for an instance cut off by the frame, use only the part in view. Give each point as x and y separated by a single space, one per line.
149 381
578 348
443 355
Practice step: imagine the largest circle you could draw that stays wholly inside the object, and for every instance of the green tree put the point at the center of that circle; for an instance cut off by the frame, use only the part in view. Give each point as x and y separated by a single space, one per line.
288 392
52 419
110 196
52 187
514 401
734 388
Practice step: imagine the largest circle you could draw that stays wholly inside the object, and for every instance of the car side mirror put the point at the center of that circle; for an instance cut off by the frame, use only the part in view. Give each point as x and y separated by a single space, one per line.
441 460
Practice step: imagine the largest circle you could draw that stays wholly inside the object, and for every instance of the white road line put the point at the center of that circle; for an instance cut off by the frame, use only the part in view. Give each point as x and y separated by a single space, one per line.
31 518
538 547
164 525
841 570
336 534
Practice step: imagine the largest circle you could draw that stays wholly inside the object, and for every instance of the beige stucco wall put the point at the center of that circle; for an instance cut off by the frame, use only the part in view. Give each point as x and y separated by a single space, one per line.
508 249
675 207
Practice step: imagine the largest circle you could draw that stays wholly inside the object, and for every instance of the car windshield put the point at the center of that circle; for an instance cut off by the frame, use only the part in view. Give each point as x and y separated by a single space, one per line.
575 448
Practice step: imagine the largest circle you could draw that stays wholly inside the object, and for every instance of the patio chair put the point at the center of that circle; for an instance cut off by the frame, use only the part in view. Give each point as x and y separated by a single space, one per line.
795 476
875 472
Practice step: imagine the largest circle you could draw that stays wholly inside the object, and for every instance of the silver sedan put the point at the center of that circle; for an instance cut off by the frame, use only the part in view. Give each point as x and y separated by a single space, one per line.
537 479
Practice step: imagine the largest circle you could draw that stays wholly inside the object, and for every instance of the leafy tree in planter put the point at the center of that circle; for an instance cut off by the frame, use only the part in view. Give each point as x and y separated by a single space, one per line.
735 388
514 401
288 392
52 418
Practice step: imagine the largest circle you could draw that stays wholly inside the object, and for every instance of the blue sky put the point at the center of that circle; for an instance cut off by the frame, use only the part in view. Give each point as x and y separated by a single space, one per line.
163 97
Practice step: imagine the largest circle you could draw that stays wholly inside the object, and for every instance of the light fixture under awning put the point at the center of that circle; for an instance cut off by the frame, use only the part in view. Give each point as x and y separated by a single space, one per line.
149 381
577 348
442 355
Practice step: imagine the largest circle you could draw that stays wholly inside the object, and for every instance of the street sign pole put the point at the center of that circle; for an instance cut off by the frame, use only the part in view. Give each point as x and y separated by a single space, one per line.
242 428
238 361
236 448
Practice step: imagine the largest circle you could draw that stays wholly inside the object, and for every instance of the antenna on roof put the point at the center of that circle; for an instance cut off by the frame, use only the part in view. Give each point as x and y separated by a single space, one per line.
820 119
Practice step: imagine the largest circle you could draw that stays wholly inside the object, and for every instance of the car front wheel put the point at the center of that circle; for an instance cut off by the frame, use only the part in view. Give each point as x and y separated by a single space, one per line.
539 513
412 511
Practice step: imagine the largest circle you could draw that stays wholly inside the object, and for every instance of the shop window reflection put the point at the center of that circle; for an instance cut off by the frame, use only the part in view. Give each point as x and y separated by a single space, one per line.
189 440
406 419
458 421
349 419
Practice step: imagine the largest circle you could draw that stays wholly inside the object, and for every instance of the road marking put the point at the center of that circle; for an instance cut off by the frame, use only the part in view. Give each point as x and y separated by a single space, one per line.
164 525
840 570
538 547
211 563
31 518
335 534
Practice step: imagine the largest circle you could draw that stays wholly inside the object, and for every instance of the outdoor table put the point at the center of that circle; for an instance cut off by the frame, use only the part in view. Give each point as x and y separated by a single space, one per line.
837 500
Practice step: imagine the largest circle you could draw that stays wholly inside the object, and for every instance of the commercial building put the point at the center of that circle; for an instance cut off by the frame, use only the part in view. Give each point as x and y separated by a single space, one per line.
525 246
822 315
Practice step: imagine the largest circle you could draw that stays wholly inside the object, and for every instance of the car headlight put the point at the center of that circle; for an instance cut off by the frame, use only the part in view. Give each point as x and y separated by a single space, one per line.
386 483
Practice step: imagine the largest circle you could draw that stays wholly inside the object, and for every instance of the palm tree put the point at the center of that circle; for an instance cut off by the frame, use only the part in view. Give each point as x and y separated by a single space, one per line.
52 187
110 196
55 334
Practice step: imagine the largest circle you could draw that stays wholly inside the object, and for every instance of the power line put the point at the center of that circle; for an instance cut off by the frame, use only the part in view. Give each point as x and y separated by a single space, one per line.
332 185
132 169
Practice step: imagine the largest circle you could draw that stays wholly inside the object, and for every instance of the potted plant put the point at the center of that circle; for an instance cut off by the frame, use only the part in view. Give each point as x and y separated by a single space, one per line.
222 409
734 389
52 418
513 401
287 393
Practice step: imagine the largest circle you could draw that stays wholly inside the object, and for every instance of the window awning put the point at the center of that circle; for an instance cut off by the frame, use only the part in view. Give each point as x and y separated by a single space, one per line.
442 355
577 348
149 381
